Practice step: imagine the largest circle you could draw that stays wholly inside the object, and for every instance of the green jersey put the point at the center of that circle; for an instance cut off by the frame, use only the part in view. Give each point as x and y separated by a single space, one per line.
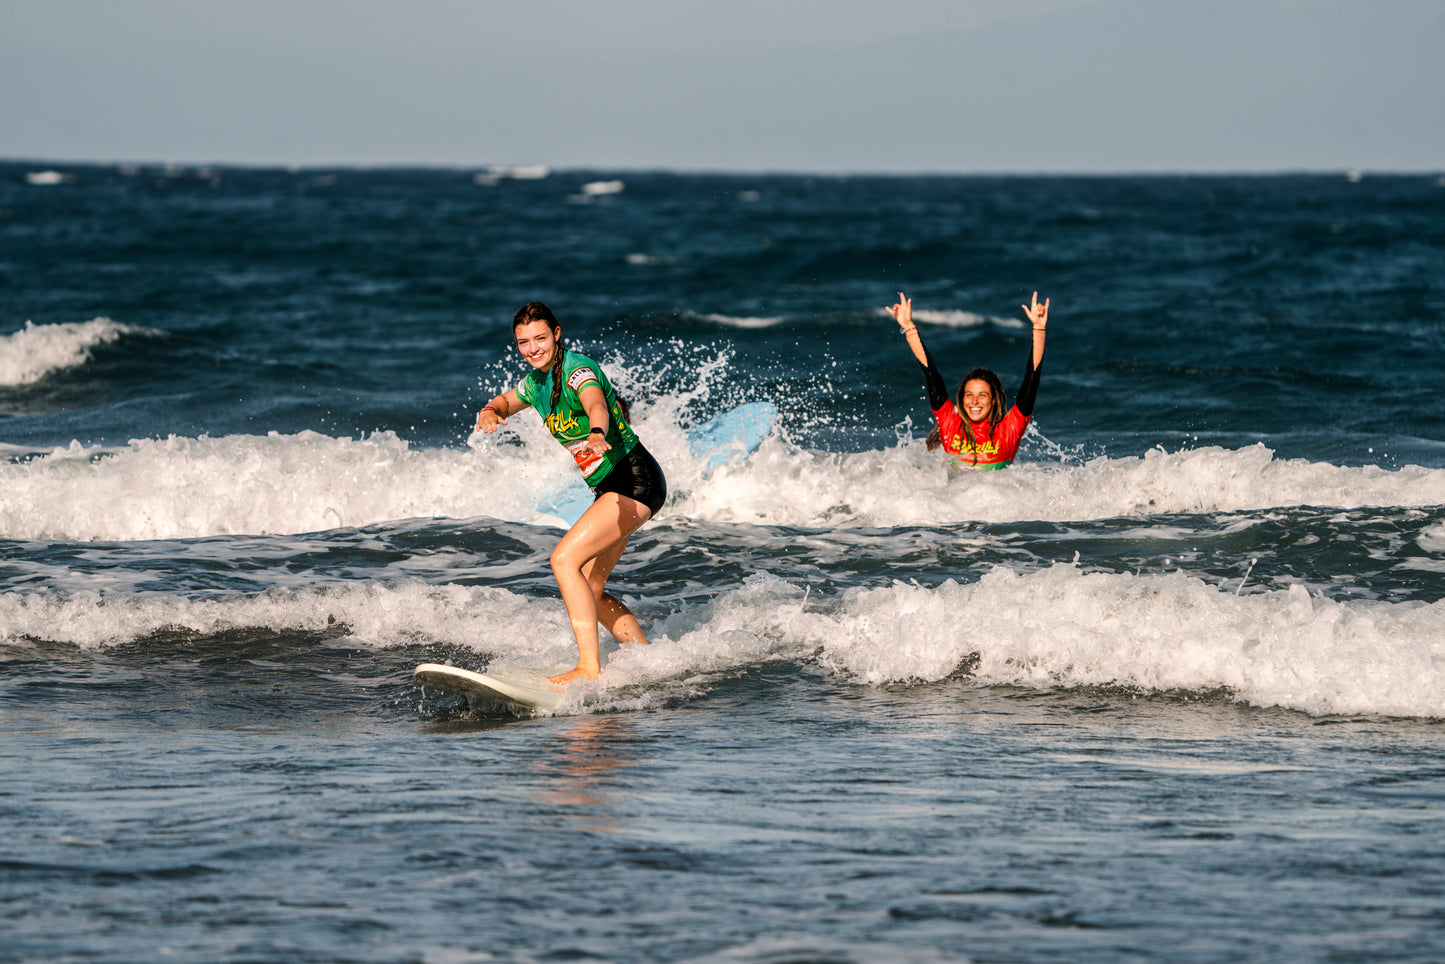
568 421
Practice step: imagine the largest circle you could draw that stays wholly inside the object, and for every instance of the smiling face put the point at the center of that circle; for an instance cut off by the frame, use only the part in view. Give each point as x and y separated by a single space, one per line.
977 399
537 341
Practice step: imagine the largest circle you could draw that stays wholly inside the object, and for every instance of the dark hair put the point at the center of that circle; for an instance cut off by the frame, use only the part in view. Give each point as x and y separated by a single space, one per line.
538 311
995 409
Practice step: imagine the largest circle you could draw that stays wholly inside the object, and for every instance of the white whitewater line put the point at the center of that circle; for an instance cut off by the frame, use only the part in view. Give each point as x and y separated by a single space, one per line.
35 351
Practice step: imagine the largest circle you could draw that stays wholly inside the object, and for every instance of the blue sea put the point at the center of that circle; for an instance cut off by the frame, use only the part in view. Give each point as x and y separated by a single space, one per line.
1169 688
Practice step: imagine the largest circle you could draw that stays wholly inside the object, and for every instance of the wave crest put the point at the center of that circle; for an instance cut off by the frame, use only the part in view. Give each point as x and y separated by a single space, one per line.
907 485
1062 627
36 351
308 482
1055 628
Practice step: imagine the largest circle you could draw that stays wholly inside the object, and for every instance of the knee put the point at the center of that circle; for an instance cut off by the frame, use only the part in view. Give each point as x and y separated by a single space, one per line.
562 562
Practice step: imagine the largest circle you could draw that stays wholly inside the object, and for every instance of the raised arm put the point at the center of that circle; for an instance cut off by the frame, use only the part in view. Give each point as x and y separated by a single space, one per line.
937 392
903 312
1038 315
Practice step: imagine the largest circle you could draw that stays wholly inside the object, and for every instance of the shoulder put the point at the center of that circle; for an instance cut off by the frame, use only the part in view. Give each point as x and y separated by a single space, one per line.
947 414
579 370
529 385
1014 422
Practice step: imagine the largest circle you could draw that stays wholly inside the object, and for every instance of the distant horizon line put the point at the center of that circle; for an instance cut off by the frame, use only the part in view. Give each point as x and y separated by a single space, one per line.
505 171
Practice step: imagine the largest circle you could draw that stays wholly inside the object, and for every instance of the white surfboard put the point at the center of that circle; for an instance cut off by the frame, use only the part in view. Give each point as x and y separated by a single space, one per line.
532 694
715 442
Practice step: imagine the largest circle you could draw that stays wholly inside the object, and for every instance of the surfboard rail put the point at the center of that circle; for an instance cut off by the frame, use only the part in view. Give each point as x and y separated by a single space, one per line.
530 693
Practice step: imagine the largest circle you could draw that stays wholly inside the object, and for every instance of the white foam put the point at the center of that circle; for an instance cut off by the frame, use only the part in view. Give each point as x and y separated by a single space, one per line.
958 318
595 188
35 351
743 321
1062 627
499 172
1432 540
374 614
782 484
1059 627
9 451
181 487
46 178
187 487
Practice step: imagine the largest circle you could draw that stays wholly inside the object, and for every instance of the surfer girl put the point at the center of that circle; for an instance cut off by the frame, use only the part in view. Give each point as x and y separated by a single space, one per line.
582 411
973 428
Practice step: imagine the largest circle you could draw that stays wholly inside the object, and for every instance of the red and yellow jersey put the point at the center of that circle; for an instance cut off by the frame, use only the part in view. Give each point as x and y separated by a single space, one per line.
979 446
988 450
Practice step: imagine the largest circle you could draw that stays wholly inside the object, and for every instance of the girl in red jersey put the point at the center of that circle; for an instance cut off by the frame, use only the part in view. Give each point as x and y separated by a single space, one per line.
973 429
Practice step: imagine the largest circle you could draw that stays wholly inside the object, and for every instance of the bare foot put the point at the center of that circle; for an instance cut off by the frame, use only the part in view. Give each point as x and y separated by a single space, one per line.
572 675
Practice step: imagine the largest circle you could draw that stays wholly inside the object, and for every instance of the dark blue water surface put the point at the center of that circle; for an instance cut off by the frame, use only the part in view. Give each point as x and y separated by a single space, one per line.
1169 687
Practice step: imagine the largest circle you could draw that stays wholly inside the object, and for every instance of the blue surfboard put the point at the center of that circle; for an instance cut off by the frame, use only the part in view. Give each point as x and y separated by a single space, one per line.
732 434
719 440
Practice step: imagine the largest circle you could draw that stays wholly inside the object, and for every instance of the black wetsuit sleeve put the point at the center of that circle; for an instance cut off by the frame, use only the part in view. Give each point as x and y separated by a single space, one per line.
933 380
1029 390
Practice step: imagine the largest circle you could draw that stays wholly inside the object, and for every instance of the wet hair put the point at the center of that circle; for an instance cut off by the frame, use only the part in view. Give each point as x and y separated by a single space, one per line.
538 311
995 409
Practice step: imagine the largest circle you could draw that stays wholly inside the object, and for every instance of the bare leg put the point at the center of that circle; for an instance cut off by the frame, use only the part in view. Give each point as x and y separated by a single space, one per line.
612 613
617 619
589 550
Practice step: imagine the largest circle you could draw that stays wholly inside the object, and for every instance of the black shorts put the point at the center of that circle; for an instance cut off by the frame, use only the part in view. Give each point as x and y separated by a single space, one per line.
637 476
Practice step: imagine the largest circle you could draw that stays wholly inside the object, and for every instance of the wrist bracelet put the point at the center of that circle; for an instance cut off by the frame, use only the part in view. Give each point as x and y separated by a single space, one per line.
598 431
488 408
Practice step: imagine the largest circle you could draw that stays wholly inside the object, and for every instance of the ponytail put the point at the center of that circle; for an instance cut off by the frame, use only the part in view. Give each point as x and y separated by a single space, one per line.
556 373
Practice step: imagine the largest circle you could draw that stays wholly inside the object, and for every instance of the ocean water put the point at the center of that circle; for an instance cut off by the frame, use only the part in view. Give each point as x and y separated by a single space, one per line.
1171 687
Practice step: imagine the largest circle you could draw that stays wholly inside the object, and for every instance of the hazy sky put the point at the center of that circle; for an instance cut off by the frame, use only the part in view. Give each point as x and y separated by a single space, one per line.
822 85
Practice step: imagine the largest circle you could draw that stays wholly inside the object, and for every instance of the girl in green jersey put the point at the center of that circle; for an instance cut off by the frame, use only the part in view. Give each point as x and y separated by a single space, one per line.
581 410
